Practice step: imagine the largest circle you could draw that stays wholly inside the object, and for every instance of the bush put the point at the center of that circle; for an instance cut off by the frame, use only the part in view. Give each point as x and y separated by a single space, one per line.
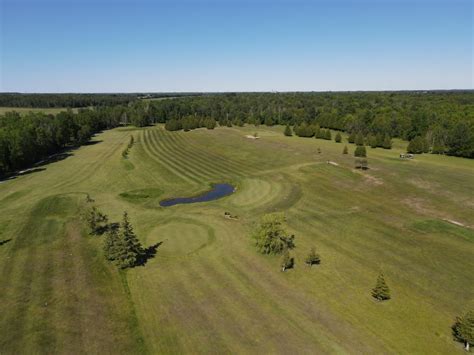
287 262
288 131
312 258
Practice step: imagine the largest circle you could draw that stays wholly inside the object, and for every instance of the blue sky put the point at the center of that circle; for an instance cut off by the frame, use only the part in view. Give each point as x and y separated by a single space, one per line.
260 45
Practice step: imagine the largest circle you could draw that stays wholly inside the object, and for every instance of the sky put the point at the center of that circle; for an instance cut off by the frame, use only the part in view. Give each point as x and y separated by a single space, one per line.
231 45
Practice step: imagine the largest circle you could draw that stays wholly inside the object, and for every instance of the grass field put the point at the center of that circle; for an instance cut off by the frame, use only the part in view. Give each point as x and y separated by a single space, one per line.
207 290
25 110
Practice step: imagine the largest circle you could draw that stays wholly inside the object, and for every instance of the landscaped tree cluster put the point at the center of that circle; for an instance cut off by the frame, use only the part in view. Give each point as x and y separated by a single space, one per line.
122 246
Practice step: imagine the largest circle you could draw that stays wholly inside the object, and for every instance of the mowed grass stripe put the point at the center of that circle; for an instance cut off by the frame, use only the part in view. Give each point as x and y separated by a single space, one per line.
162 159
235 165
186 162
166 156
200 154
197 160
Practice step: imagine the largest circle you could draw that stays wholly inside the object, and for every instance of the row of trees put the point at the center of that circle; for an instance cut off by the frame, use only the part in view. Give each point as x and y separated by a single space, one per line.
65 100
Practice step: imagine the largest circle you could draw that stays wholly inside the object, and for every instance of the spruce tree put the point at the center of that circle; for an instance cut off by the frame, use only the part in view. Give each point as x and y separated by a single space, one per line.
360 151
351 138
338 138
381 291
345 150
359 139
130 252
312 258
327 135
287 131
387 142
463 329
111 244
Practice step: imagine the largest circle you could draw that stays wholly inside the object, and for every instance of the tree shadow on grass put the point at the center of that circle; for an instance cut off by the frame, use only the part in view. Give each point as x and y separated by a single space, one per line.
2 242
150 253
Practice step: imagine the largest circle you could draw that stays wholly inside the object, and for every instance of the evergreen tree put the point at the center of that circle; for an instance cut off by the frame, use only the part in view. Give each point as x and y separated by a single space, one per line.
130 252
287 131
312 258
359 140
372 140
360 151
96 220
338 138
352 137
287 262
327 135
381 291
345 150
270 237
268 121
112 244
387 142
463 329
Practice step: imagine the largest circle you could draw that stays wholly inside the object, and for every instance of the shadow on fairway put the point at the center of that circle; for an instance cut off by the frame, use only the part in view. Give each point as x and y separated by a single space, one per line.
150 253
4 241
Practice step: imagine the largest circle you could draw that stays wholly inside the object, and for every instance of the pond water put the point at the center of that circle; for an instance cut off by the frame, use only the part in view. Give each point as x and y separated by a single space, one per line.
217 191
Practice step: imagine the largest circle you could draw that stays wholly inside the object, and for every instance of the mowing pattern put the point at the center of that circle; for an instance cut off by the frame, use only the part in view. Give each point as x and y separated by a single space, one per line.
207 290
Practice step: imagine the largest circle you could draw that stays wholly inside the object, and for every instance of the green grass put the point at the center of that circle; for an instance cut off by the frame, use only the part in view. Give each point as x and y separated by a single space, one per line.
207 290
25 110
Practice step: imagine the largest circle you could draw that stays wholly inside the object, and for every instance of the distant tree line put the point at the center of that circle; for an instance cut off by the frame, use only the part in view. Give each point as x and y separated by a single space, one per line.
443 119
64 100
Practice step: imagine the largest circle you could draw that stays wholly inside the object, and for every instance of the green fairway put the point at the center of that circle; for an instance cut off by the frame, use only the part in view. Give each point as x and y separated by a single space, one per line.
207 290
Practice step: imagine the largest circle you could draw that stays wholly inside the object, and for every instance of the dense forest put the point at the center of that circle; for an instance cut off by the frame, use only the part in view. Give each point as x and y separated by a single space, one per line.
435 122
78 100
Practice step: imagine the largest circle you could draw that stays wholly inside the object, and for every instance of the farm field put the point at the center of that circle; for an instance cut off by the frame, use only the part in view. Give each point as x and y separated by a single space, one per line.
207 289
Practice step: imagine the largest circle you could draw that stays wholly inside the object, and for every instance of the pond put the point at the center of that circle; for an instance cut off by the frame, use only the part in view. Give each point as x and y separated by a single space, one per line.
217 191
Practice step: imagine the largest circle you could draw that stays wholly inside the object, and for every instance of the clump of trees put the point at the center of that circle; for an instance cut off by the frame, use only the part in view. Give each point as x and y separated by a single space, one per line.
463 329
270 236
381 291
418 145
122 246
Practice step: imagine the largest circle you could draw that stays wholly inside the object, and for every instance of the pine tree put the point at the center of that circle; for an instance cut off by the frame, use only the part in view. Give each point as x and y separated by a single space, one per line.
287 131
327 135
360 151
312 258
463 329
287 262
111 244
387 142
345 150
338 138
359 139
130 252
352 137
381 291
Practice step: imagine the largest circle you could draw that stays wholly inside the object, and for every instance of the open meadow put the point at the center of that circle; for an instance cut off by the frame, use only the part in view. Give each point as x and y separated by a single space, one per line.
207 290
